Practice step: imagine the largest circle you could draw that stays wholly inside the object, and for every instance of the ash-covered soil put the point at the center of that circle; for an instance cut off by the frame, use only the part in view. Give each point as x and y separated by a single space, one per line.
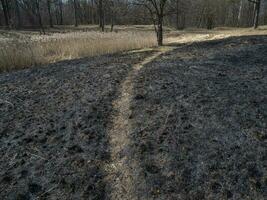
53 135
198 116
201 122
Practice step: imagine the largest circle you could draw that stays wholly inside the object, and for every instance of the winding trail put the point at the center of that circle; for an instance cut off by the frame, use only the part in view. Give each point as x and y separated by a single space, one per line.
122 169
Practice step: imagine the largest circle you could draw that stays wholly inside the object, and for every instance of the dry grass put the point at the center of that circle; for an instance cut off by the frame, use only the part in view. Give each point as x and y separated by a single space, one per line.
198 35
24 50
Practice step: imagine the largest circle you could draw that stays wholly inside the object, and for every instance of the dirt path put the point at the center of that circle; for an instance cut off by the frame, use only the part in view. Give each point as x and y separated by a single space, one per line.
122 168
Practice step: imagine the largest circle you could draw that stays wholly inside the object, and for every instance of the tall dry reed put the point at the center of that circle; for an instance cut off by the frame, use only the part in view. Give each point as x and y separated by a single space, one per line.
21 52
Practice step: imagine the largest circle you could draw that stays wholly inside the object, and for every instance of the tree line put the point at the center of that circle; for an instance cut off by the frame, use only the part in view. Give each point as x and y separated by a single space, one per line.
180 14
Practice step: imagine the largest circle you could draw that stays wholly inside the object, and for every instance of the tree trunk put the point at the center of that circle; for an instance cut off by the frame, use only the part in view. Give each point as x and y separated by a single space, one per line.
240 12
92 13
112 22
88 13
177 14
201 16
8 10
257 13
160 31
75 13
101 16
42 30
5 10
210 21
61 12
49 13
17 10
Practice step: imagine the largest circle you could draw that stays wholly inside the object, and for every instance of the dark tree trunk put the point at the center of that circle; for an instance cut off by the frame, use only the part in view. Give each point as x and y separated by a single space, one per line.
42 30
61 12
92 12
157 14
5 10
160 31
112 23
210 21
113 17
75 12
8 10
256 14
201 16
241 7
178 26
101 16
49 13
17 10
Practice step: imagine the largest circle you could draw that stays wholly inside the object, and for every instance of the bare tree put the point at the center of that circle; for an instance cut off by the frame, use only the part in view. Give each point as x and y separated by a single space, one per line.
38 14
6 11
241 7
257 6
93 12
48 2
117 8
33 10
156 9
101 15
75 5
60 5
179 13
18 14
175 13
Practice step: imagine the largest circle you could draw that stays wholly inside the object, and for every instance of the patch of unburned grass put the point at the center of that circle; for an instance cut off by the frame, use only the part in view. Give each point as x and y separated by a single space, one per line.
30 50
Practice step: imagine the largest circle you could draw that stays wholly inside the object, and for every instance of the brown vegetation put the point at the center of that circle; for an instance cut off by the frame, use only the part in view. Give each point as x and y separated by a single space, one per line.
20 50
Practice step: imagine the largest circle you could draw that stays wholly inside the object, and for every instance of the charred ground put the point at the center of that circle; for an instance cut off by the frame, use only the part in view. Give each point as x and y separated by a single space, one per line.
198 118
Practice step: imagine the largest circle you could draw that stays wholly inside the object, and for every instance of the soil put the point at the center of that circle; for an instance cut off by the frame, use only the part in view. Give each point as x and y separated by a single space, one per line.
200 128
186 121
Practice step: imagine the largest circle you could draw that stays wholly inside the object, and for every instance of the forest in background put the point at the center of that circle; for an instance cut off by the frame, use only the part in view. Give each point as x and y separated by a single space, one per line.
17 14
136 20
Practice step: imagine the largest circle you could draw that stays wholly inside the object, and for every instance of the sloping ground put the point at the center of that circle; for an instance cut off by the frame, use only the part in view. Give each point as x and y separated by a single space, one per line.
191 124
200 122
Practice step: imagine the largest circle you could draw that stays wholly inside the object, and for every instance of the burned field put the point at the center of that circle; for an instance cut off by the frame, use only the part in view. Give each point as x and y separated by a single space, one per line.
198 117
53 121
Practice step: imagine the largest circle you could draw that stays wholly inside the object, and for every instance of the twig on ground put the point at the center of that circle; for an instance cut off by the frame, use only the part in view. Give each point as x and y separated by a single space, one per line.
35 155
165 122
47 191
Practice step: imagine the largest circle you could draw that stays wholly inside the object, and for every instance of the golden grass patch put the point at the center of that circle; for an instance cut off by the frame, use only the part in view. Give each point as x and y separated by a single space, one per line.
30 50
